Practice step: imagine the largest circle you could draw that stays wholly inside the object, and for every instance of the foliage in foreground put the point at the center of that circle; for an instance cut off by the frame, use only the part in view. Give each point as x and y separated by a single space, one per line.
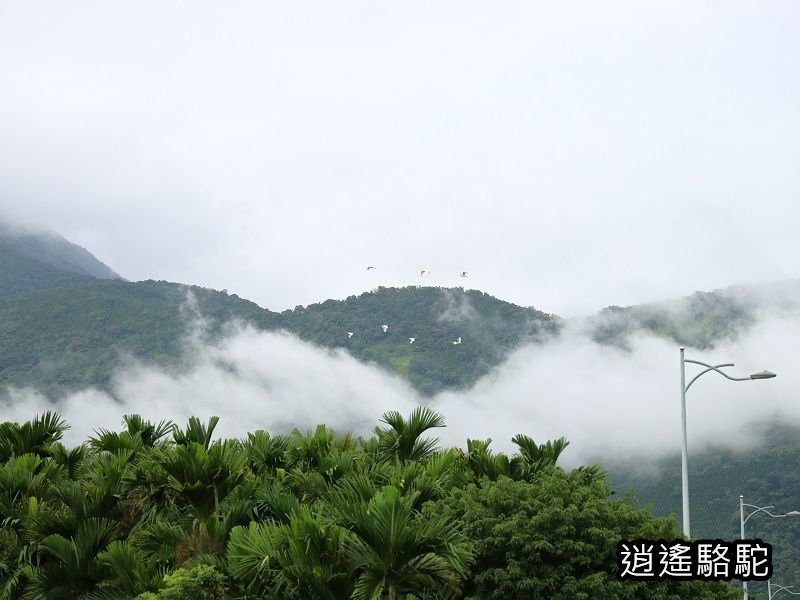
157 511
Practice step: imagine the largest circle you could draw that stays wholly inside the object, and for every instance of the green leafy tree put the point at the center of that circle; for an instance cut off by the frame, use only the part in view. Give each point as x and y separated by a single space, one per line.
396 551
556 538
403 440
33 437
200 582
303 558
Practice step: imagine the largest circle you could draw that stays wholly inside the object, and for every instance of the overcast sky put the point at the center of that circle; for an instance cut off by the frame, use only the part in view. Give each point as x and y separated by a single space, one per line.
569 155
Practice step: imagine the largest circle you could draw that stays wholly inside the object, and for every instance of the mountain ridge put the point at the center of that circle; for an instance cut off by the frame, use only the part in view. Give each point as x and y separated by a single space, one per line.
31 260
84 323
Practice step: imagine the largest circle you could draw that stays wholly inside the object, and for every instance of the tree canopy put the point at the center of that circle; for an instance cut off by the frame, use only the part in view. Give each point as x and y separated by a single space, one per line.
160 511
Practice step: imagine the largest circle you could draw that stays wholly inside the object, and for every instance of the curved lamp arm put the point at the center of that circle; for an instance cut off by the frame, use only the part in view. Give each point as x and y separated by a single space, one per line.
758 510
761 375
765 509
782 588
710 368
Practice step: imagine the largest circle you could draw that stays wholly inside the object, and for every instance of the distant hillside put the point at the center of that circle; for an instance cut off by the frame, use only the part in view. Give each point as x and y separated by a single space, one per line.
698 320
67 338
72 337
435 317
765 476
63 328
32 261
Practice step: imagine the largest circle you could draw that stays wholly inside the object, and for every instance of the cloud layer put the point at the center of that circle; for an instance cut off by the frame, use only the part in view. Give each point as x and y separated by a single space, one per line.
610 403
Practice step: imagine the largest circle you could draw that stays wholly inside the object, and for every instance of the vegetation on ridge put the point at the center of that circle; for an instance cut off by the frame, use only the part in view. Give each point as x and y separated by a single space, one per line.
68 338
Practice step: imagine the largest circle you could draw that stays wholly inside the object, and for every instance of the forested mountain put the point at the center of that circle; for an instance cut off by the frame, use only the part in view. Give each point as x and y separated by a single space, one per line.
76 336
65 338
62 324
34 260
61 327
699 320
436 318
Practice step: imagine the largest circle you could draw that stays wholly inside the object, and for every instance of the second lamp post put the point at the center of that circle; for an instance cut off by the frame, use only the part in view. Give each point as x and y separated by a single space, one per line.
685 449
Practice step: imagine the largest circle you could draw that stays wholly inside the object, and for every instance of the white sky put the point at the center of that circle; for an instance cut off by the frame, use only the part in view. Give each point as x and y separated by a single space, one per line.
568 155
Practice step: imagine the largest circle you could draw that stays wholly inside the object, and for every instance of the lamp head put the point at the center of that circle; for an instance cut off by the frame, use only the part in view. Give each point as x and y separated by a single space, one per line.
792 513
763 375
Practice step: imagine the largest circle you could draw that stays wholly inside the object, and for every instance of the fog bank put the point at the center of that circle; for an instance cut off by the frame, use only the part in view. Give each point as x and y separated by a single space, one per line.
608 402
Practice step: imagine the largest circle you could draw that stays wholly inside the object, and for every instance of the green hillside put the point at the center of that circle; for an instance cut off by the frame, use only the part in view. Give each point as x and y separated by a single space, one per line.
34 261
699 320
77 336
62 326
20 274
68 338
436 317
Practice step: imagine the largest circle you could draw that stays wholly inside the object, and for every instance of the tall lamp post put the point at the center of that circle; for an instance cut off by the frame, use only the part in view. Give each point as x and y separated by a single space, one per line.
743 519
685 448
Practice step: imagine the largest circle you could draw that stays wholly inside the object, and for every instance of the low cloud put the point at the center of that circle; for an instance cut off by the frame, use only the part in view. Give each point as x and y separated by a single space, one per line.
610 403
618 404
251 380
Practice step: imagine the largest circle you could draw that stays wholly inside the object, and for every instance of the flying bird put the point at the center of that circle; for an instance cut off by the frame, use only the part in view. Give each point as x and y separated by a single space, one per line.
370 268
411 340
463 273
349 334
458 341
423 272
385 328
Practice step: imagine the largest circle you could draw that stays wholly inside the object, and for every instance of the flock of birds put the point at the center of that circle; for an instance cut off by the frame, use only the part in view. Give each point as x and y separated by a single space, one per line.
411 340
424 272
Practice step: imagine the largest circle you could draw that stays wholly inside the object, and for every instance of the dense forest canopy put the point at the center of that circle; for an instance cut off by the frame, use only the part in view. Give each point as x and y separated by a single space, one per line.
160 511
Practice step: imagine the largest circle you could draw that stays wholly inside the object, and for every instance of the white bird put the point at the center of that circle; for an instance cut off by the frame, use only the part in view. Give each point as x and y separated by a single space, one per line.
349 334
370 268
385 328
458 341
423 272
411 340
463 273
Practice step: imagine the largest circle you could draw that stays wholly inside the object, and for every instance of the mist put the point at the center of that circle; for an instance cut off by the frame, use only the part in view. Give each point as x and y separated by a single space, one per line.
616 404
612 404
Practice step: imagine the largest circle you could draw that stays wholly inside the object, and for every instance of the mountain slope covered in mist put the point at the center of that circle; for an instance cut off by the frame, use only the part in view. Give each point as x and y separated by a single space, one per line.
699 320
436 318
61 326
65 338
32 261
78 336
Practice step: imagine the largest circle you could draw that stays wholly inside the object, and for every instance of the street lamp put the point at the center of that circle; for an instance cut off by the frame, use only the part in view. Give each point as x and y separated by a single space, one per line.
743 520
787 588
685 449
